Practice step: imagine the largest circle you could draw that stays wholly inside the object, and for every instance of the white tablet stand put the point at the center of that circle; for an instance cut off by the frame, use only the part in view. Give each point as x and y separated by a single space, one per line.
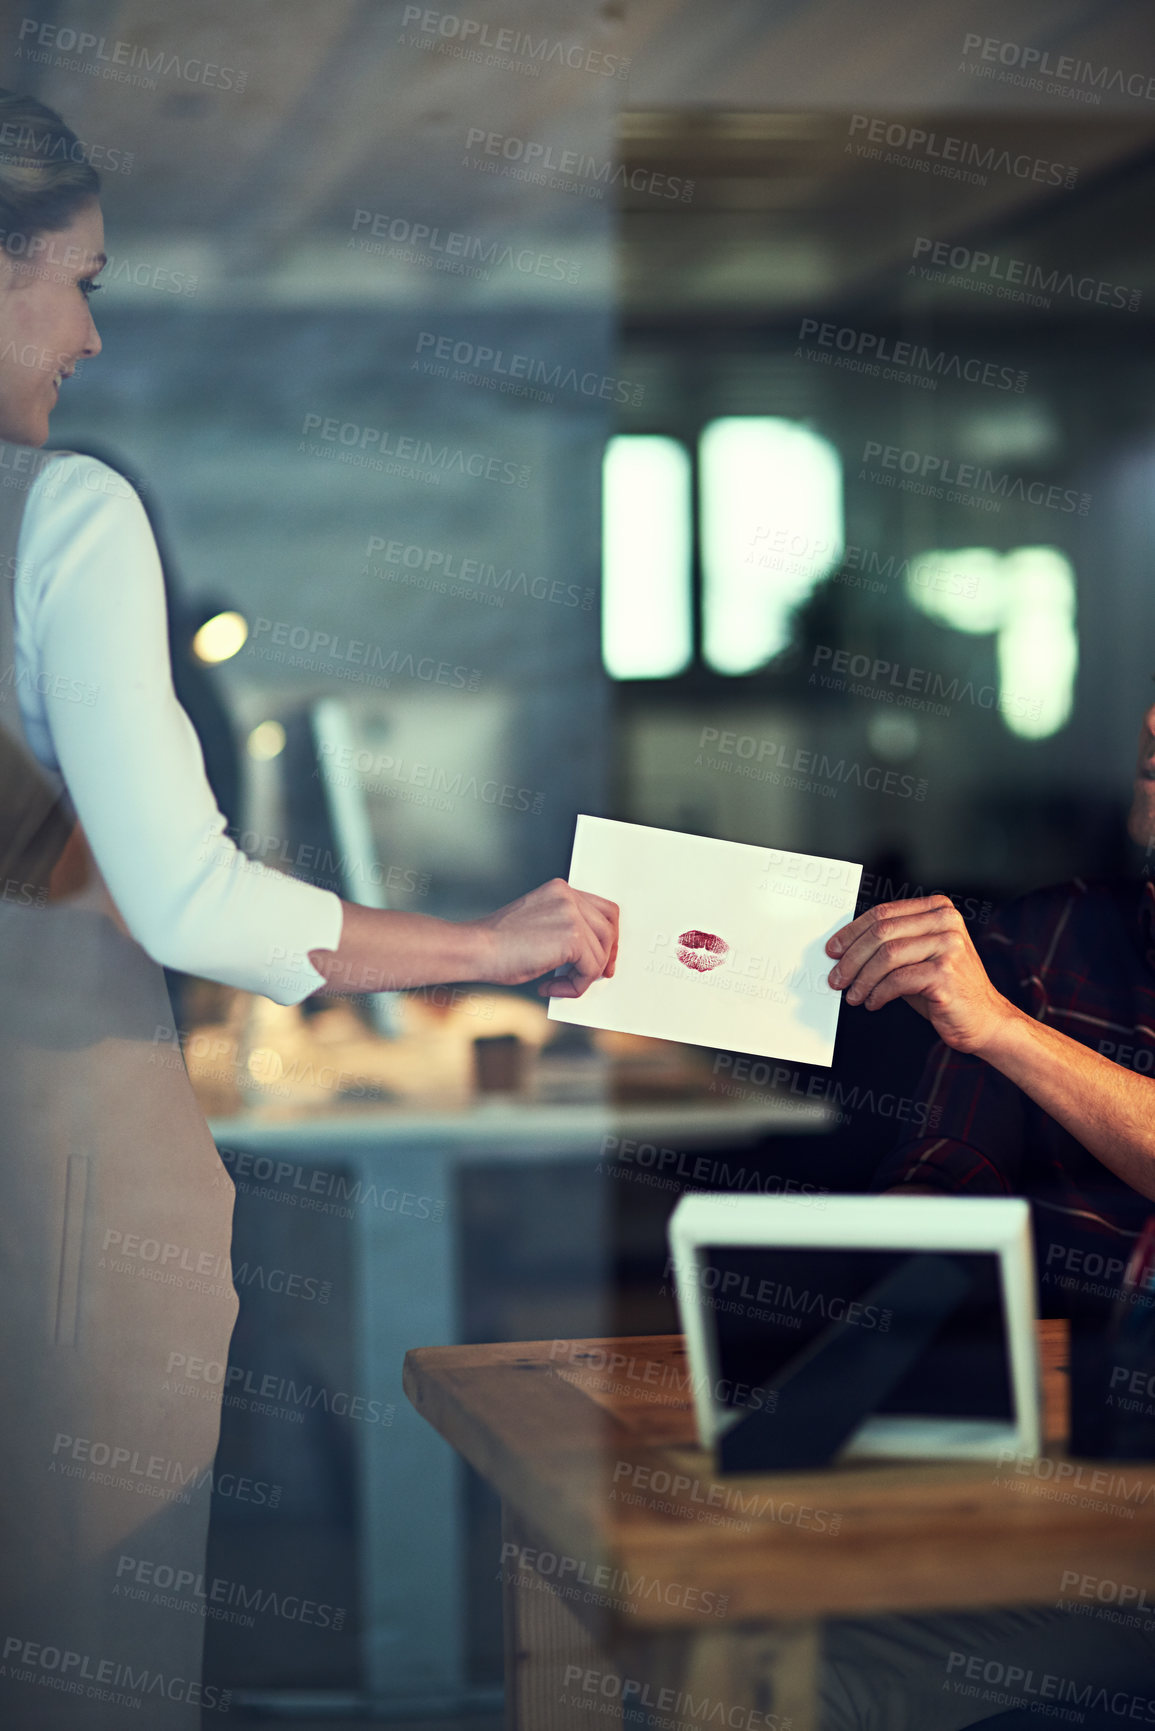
825 1398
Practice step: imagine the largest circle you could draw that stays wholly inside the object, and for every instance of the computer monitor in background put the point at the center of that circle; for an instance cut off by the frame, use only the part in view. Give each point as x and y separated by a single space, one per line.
393 800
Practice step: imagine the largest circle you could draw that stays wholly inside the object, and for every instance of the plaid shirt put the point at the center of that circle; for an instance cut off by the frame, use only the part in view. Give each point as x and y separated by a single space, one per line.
1081 958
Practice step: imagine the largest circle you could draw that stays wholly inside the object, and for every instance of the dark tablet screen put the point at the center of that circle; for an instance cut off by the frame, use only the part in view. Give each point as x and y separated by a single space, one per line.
767 1304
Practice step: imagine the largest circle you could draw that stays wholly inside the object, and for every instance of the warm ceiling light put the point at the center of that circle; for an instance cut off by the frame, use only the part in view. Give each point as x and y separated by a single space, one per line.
220 637
266 740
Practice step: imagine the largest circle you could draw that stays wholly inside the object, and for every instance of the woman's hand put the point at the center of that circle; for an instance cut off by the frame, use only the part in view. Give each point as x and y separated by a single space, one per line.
551 927
554 927
920 950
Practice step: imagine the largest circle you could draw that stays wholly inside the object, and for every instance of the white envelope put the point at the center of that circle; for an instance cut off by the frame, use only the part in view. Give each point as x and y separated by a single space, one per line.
721 944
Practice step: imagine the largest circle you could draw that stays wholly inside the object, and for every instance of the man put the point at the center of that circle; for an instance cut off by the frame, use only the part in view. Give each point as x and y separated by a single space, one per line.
1031 1103
1030 1099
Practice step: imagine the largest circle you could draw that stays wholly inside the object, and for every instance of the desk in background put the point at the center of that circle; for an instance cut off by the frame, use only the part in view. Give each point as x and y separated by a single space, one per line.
406 1273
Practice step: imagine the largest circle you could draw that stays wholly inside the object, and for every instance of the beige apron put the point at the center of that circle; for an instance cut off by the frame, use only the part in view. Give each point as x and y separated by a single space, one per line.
115 1219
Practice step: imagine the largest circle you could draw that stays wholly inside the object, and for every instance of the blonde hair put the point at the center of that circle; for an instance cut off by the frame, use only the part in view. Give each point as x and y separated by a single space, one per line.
45 175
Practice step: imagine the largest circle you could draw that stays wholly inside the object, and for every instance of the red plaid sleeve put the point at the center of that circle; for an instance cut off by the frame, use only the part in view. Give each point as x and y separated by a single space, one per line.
979 1117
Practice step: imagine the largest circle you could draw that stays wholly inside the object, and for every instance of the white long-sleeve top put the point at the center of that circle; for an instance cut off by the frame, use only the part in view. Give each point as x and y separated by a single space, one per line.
94 685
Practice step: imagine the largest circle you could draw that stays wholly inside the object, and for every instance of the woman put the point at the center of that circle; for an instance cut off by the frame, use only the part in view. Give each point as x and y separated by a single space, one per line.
113 861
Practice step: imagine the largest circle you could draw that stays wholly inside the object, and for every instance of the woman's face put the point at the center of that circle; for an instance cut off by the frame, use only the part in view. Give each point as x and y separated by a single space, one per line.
45 324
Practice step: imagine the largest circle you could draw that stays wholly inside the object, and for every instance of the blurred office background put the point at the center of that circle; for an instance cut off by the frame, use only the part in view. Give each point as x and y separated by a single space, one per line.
499 383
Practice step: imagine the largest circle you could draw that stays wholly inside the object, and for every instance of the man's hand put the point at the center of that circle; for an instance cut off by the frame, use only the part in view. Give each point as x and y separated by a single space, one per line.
920 950
552 927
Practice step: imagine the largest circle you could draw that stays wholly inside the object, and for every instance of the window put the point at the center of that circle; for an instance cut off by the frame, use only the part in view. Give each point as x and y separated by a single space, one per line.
1027 596
772 528
647 558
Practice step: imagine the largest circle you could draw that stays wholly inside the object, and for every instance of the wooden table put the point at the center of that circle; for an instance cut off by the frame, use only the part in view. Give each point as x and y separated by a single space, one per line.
630 1568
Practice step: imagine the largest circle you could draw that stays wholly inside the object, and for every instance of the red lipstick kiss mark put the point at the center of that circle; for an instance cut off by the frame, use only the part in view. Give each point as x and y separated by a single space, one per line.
702 951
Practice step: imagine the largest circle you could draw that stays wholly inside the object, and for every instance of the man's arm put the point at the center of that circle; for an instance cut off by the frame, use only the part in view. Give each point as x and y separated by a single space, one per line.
1109 1109
920 950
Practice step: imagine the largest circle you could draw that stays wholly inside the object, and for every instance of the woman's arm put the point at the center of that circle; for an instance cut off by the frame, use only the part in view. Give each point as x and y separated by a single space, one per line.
920 950
92 656
93 640
551 927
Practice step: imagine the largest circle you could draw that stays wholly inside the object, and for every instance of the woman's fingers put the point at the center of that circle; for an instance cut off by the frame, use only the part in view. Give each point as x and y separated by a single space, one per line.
572 980
600 940
561 986
590 962
610 909
577 933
